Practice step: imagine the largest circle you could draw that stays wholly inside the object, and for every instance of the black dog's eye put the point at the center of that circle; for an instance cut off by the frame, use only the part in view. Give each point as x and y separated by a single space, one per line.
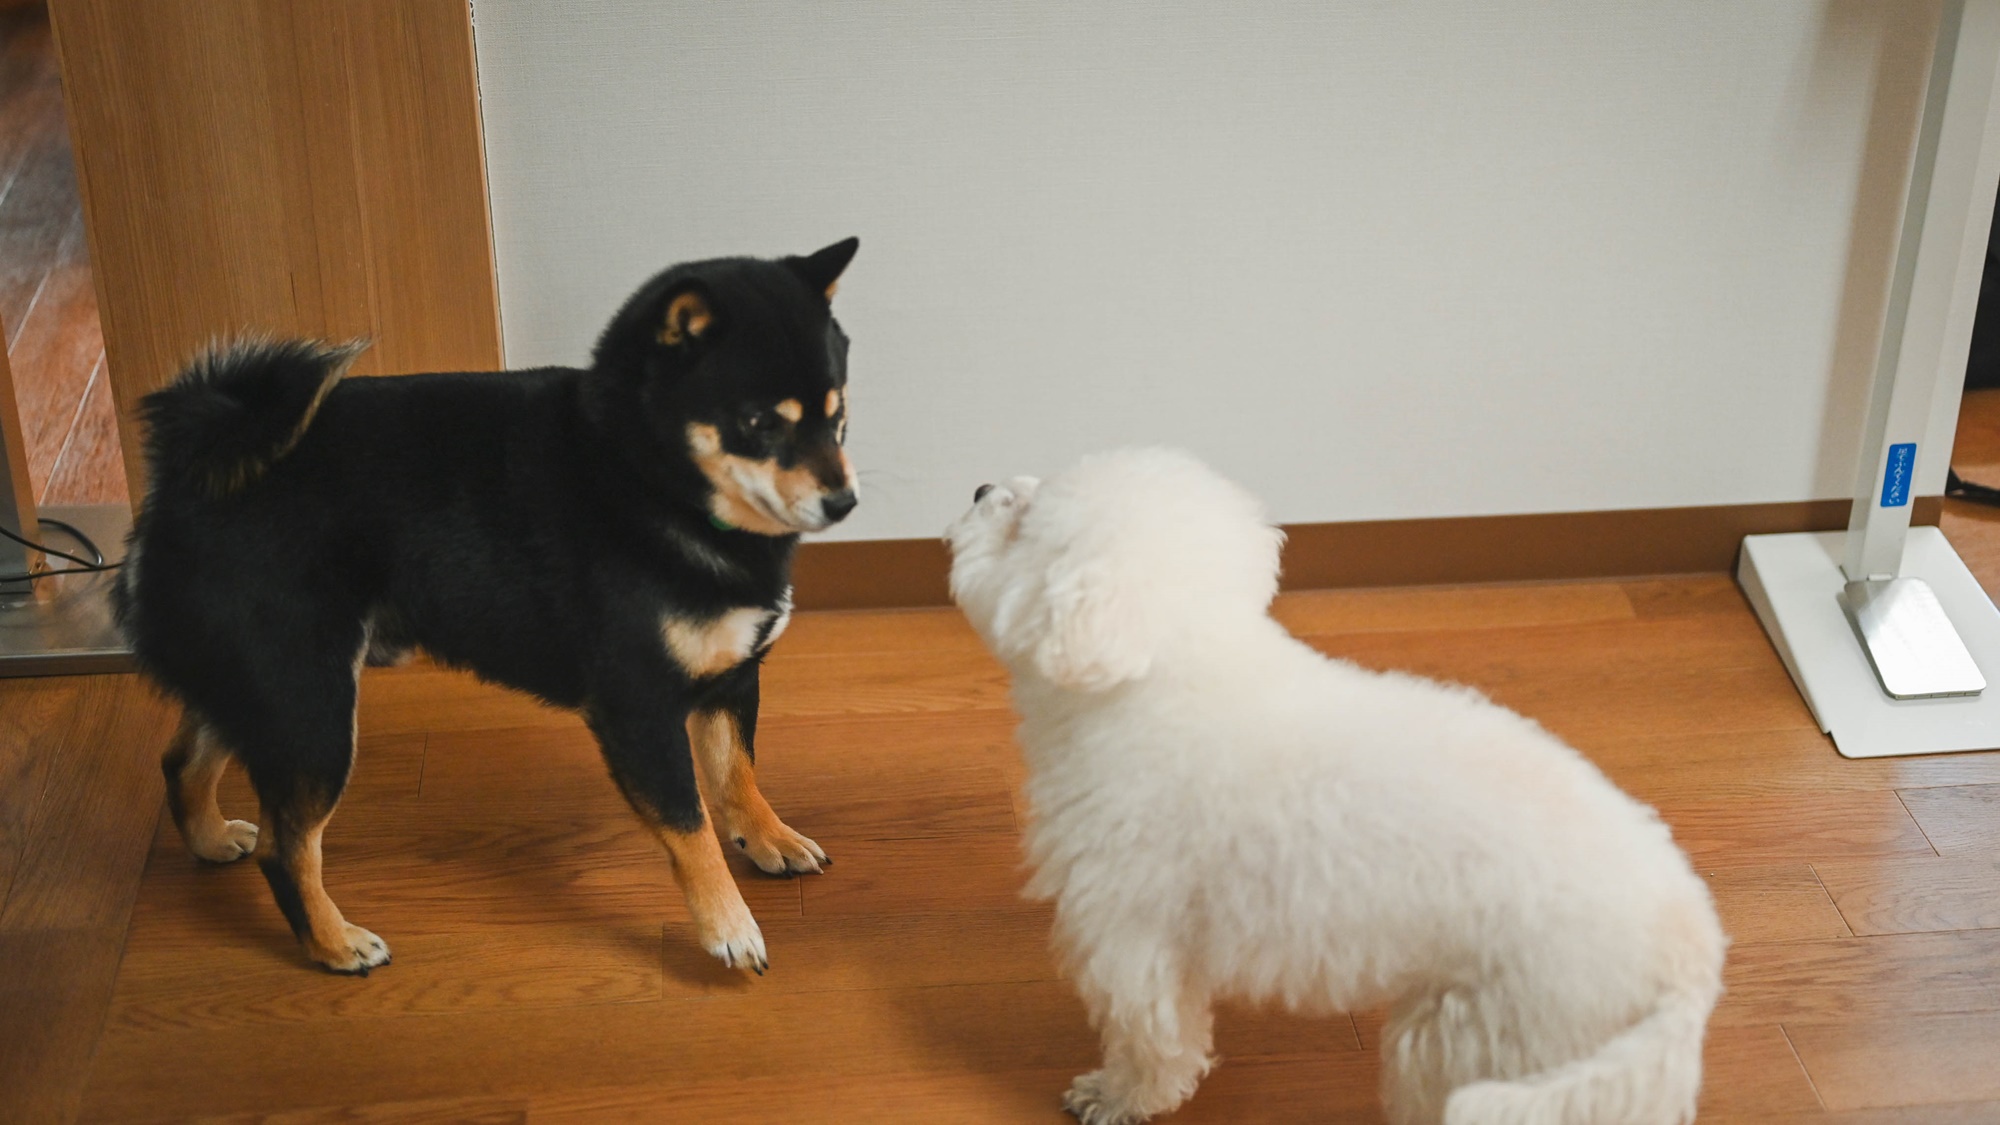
763 421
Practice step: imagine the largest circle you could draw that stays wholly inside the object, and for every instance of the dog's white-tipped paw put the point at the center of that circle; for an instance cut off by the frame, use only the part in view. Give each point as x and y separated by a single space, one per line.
358 952
1088 1102
228 843
781 851
737 942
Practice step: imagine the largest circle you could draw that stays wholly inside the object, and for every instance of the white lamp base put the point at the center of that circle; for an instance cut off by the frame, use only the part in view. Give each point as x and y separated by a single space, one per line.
1795 584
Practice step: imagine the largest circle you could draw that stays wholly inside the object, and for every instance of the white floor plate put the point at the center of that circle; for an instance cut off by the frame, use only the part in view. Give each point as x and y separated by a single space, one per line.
1794 583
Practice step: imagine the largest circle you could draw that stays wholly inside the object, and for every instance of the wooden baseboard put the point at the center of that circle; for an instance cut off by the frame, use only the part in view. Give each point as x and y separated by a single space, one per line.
894 573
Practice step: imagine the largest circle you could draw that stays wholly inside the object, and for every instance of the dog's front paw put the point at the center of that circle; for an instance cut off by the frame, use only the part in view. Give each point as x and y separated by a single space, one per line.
1089 1102
228 842
777 850
734 939
357 952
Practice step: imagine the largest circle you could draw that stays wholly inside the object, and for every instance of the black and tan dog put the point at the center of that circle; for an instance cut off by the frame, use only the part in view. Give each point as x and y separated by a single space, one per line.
616 539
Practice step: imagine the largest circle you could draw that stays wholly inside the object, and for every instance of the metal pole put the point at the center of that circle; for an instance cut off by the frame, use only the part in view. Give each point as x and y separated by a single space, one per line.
1918 340
1910 640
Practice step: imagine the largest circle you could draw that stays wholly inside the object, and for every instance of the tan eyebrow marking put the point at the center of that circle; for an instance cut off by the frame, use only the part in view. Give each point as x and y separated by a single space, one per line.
704 439
790 410
833 402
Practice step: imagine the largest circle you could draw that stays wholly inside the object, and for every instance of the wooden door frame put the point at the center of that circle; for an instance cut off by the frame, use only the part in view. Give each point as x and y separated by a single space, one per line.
290 167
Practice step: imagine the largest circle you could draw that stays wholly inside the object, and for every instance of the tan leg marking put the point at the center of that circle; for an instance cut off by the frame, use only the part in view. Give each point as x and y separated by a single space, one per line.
204 830
331 939
722 921
747 819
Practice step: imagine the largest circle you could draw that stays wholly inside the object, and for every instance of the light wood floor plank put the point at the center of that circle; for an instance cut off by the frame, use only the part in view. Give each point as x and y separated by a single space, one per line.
1780 902
1862 978
1796 827
250 984
35 715
1433 608
975 874
1306 1089
1960 820
1765 763
1900 1061
94 824
719 1037
54 987
1565 676
436 1111
1961 1113
1897 896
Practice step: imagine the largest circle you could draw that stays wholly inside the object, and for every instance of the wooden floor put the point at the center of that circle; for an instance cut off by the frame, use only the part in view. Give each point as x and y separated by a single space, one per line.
55 345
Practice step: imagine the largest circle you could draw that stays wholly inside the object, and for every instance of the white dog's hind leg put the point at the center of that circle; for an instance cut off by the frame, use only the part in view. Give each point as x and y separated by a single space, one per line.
1156 1050
1414 1081
1437 1042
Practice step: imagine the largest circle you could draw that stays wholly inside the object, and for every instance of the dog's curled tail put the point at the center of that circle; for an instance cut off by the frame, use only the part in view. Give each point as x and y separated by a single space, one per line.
237 409
1649 1074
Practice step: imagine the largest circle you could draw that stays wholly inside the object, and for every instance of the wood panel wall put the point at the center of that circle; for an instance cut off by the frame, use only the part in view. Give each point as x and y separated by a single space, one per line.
303 167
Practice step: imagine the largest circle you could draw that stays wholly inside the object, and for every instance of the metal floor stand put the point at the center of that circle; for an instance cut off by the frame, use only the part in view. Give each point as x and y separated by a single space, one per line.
1887 634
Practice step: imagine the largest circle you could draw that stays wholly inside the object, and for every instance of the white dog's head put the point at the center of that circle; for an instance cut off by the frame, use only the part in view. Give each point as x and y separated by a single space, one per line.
1088 579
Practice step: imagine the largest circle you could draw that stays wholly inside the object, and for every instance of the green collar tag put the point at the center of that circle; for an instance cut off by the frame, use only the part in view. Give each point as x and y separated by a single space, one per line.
717 524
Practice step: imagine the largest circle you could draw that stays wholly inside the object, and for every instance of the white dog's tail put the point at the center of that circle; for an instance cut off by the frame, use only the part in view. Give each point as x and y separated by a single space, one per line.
1648 1074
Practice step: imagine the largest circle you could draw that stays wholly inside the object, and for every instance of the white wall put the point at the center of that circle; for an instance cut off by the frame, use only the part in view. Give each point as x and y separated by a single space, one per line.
1377 260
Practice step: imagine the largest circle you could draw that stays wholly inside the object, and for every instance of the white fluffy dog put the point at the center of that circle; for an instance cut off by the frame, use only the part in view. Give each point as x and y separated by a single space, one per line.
1218 810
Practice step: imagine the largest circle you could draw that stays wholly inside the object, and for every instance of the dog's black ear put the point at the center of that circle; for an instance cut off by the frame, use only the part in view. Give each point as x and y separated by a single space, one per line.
688 315
822 268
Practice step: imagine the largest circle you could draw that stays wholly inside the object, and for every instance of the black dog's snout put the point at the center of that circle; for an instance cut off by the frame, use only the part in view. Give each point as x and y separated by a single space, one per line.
979 493
836 505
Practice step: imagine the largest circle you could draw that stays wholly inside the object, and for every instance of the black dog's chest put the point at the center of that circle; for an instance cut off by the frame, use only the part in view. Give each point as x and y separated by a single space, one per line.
709 645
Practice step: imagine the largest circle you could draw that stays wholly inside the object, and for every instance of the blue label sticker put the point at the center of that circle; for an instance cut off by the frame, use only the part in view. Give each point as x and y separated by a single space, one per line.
1896 480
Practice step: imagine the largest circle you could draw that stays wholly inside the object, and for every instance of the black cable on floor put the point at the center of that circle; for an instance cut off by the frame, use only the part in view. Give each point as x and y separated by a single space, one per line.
91 565
1958 488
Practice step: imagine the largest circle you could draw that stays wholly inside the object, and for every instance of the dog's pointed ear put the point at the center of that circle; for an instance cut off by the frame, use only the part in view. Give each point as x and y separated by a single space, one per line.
822 268
1095 637
688 316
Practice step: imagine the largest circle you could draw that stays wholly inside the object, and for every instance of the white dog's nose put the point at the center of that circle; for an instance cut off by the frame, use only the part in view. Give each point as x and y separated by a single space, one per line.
979 493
